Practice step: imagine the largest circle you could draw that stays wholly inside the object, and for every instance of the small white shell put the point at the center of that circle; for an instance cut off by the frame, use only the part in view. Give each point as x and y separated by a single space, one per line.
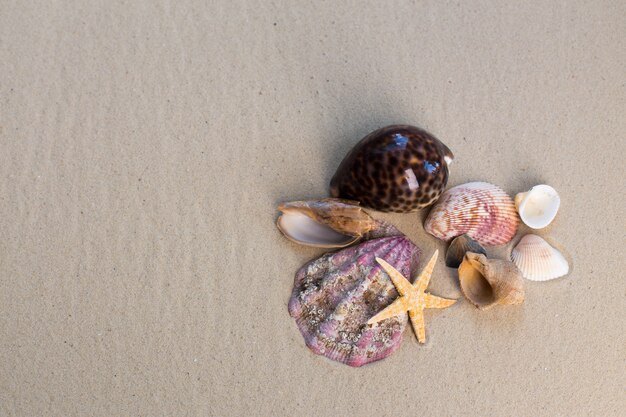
537 260
538 206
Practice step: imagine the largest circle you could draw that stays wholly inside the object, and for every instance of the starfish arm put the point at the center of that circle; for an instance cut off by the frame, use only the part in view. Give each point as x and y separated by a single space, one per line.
399 281
424 278
394 309
432 301
417 320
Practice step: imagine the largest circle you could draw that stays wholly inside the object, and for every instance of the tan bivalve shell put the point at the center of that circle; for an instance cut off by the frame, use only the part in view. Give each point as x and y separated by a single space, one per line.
483 211
537 260
538 206
487 282
326 223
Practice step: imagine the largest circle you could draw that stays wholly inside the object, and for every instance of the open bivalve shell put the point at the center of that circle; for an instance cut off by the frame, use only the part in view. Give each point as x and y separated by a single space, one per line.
481 210
326 223
537 260
538 206
487 282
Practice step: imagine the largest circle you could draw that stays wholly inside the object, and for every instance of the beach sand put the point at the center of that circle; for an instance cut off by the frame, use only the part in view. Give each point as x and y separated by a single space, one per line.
146 145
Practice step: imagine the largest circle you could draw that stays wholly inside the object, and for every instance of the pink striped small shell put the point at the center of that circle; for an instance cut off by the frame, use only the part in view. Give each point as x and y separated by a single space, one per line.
481 210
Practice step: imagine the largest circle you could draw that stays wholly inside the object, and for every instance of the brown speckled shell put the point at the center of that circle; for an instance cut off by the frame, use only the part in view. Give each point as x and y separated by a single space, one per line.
398 168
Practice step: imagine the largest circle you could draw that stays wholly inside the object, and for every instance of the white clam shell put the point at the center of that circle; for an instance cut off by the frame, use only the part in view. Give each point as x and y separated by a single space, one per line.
301 229
538 206
483 211
537 260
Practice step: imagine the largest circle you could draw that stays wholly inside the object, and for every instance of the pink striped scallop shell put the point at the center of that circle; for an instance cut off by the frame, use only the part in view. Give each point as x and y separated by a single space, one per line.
481 210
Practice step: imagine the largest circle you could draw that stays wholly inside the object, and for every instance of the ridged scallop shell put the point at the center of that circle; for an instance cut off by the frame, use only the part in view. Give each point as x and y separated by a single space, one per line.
537 260
334 297
483 211
397 168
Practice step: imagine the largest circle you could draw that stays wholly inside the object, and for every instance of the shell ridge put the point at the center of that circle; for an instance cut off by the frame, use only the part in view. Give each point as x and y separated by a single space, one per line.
345 266
375 273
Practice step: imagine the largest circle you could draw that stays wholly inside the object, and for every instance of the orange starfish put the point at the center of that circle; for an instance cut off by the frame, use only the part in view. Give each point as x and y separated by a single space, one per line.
413 298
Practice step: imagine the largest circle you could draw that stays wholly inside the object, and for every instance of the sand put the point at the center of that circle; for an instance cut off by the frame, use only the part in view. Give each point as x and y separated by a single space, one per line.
146 144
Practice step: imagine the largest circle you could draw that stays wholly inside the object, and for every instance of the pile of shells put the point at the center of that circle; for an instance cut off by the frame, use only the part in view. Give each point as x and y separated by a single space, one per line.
479 213
403 168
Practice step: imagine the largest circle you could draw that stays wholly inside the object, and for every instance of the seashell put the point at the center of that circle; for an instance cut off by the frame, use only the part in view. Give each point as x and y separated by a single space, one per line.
538 207
483 211
326 223
398 168
487 282
335 295
537 260
459 247
382 229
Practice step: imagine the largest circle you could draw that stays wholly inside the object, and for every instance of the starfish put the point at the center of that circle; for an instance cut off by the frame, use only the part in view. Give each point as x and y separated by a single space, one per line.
413 297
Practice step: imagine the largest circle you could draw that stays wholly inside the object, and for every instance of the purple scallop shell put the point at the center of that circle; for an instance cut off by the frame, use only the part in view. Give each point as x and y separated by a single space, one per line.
335 295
